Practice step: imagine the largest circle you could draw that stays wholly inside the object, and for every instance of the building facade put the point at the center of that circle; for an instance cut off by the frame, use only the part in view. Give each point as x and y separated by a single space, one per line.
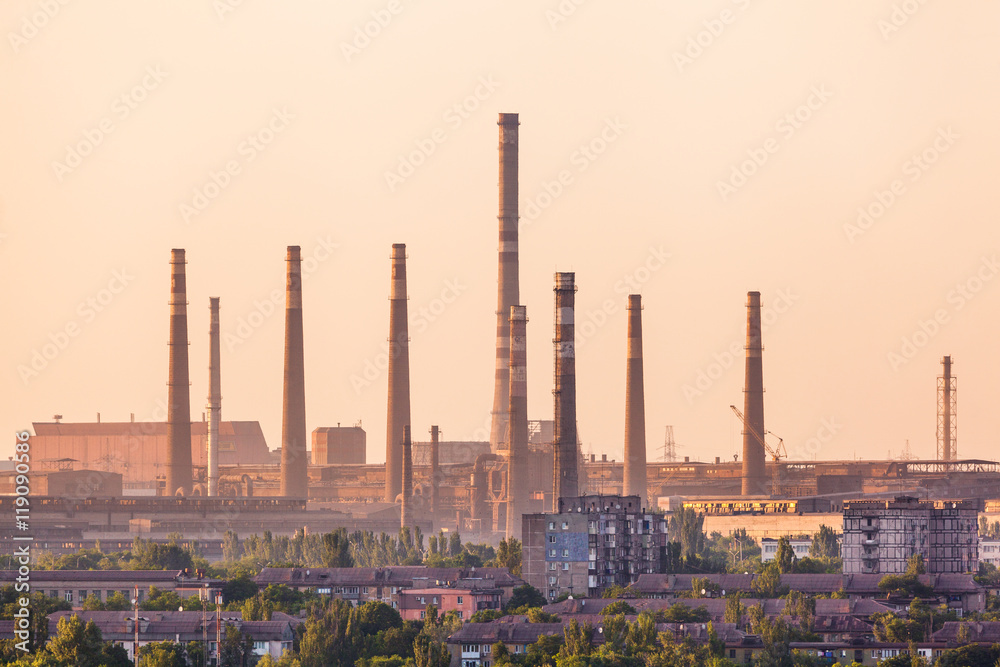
590 544
880 536
463 601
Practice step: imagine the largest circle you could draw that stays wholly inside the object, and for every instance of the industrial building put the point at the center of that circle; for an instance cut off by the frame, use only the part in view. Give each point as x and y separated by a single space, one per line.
880 536
592 543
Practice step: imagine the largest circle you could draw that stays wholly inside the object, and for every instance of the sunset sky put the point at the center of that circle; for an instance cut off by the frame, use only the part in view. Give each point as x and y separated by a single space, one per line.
692 151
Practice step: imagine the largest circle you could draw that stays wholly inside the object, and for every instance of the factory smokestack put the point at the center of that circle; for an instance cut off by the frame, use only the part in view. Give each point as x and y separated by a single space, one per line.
947 413
404 510
214 396
507 280
435 472
399 376
634 482
178 468
754 479
517 438
564 464
294 478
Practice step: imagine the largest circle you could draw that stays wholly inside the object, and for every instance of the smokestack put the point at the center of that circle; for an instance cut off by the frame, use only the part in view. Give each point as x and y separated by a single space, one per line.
404 509
214 396
517 439
634 482
947 413
435 472
294 478
399 376
178 468
754 479
564 464
507 281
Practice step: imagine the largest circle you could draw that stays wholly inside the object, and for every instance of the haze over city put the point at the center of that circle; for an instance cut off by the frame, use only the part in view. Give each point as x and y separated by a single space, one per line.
691 152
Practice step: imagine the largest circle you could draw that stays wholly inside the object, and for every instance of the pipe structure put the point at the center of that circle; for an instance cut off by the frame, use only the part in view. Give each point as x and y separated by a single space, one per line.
634 481
565 469
399 376
754 478
507 278
294 476
214 396
178 467
405 520
480 485
436 477
947 409
517 439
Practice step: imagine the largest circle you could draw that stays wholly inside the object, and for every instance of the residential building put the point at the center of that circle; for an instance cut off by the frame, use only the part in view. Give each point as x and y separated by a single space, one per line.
592 543
464 601
769 548
880 536
75 586
989 552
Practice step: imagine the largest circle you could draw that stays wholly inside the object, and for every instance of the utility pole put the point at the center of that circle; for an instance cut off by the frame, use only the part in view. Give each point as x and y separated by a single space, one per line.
218 628
135 643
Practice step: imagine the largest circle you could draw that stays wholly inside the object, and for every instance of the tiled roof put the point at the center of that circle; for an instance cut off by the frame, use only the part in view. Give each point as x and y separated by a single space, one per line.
406 576
122 576
978 631
166 625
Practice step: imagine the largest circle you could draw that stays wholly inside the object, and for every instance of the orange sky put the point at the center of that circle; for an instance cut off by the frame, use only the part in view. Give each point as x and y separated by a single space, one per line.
693 150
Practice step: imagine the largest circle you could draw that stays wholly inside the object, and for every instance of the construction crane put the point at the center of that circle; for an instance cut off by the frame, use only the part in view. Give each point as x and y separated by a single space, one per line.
777 453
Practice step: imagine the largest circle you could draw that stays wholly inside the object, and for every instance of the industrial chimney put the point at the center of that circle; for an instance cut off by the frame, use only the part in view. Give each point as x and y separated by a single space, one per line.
947 413
754 478
399 376
294 477
435 472
634 482
178 468
405 507
564 464
214 396
517 438
507 280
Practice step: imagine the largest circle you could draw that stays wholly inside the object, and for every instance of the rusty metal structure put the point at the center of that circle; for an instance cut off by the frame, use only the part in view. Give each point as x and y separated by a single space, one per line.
405 507
517 431
507 279
565 468
294 479
436 477
399 376
755 481
214 396
634 482
178 464
947 413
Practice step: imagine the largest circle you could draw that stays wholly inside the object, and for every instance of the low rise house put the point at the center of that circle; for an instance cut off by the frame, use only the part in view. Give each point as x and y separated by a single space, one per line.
769 548
463 600
75 586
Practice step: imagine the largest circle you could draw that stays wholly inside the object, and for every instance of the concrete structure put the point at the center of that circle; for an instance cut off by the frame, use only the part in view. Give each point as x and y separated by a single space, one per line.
634 480
399 376
565 461
76 484
592 543
947 393
989 552
405 518
769 548
464 601
880 536
507 278
754 479
517 431
177 467
339 445
436 477
294 481
214 396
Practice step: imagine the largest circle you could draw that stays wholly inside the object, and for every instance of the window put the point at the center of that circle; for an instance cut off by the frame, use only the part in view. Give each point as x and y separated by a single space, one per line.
552 581
83 596
69 596
552 566
565 553
552 539
422 615
565 567
552 525
260 646
486 648
459 614
434 600
552 553
565 526
460 601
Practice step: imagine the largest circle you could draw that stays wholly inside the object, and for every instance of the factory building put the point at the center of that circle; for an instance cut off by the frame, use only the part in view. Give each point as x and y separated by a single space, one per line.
590 544
337 445
880 536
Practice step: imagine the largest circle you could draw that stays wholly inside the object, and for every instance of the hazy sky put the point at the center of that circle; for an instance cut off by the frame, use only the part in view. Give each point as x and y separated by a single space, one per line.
705 149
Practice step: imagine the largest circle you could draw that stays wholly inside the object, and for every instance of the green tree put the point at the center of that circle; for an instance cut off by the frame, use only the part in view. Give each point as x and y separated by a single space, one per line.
239 588
75 643
890 628
236 649
455 544
618 607
735 609
508 555
785 558
577 640
824 544
337 549
162 654
688 525
525 596
767 584
915 566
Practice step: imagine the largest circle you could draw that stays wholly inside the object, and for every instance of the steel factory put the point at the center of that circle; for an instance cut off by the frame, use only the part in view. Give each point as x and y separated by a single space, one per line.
114 480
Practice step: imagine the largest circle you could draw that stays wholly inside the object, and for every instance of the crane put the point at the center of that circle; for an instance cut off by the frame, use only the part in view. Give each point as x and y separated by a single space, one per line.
777 453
